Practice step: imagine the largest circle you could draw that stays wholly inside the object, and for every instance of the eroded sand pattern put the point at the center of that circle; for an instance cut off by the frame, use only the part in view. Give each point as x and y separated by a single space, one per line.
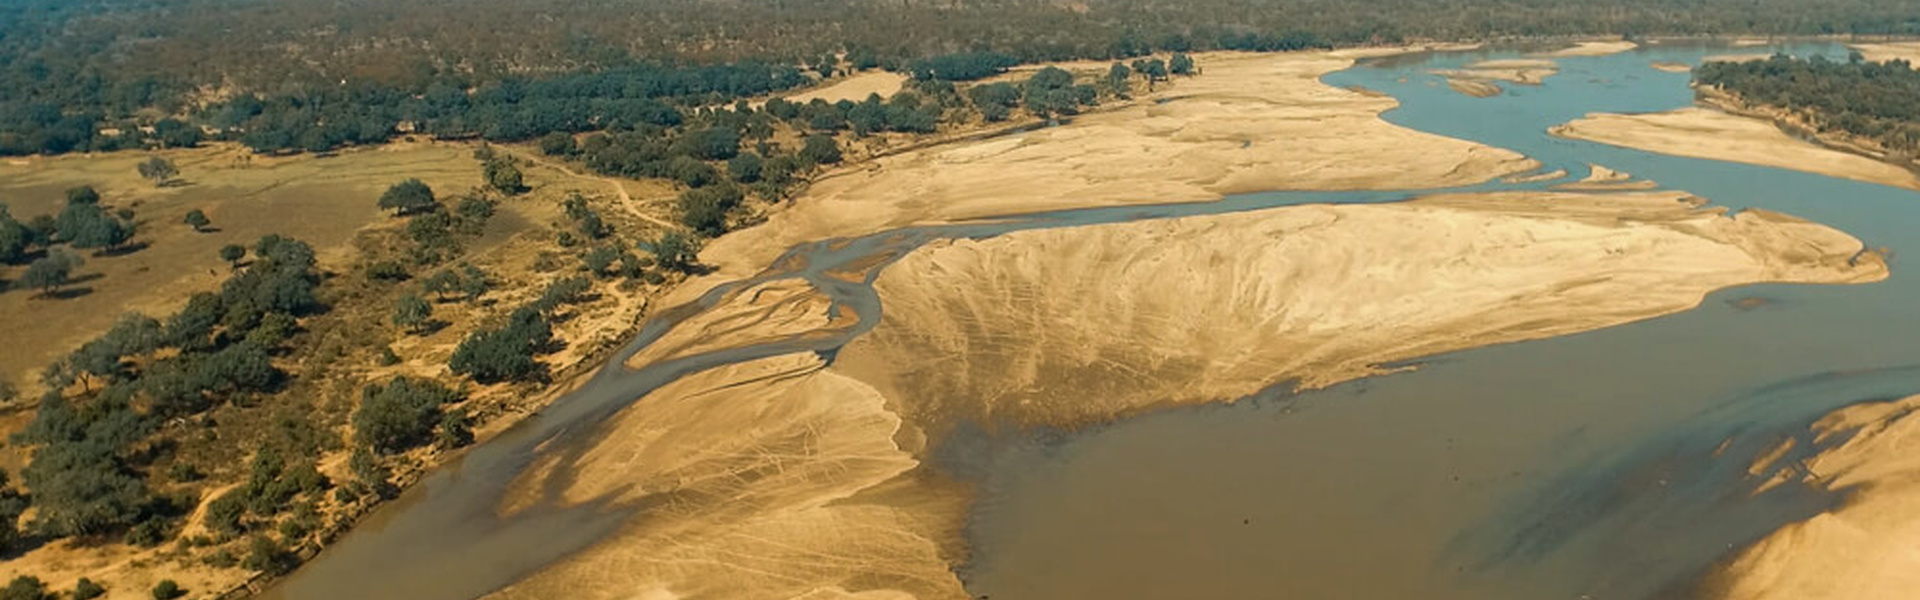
779 478
1864 549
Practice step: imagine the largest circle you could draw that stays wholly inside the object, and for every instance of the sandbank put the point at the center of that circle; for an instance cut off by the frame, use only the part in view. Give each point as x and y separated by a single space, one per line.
1527 71
1592 48
1862 550
1671 67
1703 133
1601 179
1473 87
1741 57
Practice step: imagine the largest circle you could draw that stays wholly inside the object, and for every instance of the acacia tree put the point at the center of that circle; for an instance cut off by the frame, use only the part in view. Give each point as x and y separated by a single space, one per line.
48 273
158 170
408 197
232 253
412 312
198 220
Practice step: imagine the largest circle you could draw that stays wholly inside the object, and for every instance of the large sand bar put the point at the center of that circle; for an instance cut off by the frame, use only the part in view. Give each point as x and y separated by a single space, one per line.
1710 134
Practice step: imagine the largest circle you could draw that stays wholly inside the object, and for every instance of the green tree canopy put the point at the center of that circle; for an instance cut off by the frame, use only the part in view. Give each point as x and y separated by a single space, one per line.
409 197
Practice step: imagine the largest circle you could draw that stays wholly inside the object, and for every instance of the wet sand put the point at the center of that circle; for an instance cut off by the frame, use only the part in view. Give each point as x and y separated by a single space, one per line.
1710 134
1602 179
784 478
1526 71
1862 550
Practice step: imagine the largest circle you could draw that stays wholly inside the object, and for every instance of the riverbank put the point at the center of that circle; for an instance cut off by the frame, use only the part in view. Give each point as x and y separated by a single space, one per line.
1861 550
1715 135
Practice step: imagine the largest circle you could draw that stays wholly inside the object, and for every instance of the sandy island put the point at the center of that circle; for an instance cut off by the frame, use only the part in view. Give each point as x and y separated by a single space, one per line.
1710 134
1592 48
1863 550
1602 179
785 478
1671 67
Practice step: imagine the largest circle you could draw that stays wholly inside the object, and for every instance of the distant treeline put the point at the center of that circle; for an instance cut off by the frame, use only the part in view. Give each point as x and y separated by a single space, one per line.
1877 101
307 74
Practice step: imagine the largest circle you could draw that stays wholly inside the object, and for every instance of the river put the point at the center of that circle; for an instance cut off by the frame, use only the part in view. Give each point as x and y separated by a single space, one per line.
1611 464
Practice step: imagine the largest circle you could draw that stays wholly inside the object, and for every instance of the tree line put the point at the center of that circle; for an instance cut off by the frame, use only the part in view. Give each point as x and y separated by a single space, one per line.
1876 101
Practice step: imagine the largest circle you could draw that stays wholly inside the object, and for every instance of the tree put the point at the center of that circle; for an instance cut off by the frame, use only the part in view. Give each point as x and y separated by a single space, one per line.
705 210
676 251
745 168
15 237
820 150
80 488
198 220
408 197
87 226
505 353
158 170
1118 79
399 415
442 283
48 273
233 253
1181 64
473 282
504 177
412 312
558 143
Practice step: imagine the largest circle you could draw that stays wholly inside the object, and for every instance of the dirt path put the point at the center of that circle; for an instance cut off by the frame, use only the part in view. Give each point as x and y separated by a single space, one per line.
626 199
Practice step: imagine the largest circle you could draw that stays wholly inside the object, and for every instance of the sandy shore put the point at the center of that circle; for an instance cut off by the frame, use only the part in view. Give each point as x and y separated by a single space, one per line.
1863 550
1592 48
783 478
1252 122
1745 57
1703 133
1671 67
1907 51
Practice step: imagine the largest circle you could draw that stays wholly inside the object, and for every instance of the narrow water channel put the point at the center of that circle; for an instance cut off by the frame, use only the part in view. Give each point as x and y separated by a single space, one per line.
1590 463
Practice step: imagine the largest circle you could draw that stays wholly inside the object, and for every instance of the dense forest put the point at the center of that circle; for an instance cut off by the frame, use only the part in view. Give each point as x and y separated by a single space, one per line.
315 74
1876 101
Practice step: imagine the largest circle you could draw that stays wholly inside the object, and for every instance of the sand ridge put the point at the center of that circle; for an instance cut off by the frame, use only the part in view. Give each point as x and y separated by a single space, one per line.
1710 134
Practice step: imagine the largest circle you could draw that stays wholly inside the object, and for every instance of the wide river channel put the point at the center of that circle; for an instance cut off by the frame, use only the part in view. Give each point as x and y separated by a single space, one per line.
1610 464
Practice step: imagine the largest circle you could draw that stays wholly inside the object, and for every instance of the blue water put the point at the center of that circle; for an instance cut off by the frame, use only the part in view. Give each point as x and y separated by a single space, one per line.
1584 464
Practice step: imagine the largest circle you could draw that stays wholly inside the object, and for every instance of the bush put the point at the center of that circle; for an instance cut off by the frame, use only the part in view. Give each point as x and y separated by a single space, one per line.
167 590
506 353
25 587
86 589
268 556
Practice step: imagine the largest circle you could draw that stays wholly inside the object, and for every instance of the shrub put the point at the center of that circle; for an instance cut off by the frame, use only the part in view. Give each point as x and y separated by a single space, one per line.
167 590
